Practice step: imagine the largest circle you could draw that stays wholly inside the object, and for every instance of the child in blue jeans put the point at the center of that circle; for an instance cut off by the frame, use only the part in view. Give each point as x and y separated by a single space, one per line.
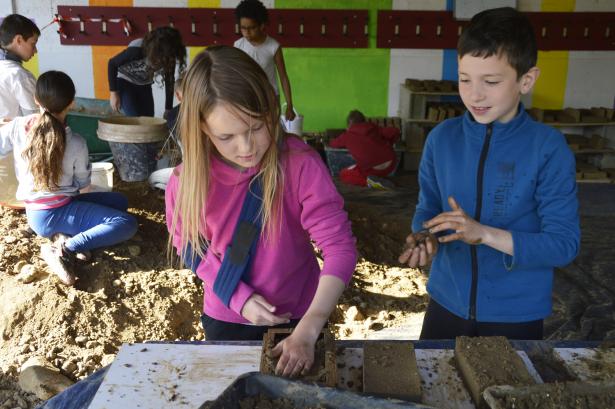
52 167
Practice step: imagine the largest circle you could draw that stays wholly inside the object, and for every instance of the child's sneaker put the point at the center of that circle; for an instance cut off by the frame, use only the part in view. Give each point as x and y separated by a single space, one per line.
376 182
60 262
59 239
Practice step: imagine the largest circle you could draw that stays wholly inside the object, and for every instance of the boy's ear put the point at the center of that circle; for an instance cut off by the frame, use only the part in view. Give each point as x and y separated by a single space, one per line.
528 79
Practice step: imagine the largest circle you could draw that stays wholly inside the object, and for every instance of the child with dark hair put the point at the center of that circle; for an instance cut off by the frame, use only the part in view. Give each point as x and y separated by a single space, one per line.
497 206
18 38
371 146
132 72
52 167
266 51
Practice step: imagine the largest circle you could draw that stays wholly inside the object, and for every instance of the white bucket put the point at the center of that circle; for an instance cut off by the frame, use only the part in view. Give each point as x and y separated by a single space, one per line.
9 183
295 126
102 177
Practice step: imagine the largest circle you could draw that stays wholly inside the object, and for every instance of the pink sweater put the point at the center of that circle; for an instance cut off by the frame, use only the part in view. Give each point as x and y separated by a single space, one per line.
285 271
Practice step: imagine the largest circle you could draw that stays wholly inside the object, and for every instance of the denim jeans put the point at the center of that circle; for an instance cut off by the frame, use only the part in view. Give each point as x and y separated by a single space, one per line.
136 100
94 220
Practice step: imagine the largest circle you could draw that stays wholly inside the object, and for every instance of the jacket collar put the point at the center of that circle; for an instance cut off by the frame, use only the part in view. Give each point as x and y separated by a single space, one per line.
8 55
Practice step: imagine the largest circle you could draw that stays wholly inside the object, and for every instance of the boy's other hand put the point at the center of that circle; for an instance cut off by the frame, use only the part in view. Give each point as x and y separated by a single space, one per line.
463 226
419 250
259 311
114 101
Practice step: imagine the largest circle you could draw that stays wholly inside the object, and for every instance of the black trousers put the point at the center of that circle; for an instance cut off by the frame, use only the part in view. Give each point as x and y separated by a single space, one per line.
216 330
440 323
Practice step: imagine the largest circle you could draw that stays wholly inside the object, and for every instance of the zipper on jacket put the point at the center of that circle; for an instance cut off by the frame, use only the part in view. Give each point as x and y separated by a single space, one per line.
477 214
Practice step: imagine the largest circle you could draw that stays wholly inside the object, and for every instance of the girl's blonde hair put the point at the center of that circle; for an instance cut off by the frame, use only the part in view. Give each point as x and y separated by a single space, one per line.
44 150
223 75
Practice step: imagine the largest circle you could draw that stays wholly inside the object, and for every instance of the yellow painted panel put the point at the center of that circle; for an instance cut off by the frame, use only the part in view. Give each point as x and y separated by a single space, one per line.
550 89
100 58
32 65
111 3
558 5
203 3
193 51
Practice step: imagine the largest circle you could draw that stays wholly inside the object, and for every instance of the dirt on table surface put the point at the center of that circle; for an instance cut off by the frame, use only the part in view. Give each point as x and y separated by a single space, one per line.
130 293
568 395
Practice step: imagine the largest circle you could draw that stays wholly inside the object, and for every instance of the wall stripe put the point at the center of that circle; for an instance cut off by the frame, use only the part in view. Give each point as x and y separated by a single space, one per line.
33 65
203 3
550 89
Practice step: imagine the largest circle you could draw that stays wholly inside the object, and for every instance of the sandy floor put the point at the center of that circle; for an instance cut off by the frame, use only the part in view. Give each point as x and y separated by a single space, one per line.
129 293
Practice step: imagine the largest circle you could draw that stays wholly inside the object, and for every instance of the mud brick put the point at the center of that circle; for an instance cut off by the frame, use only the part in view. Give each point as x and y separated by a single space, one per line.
565 117
579 175
588 116
489 361
610 173
536 113
609 114
324 369
441 114
598 111
432 114
580 140
597 142
390 370
573 113
594 174
450 112
415 85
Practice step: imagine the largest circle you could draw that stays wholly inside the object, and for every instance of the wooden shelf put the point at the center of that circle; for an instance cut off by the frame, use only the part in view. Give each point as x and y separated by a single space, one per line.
578 124
592 151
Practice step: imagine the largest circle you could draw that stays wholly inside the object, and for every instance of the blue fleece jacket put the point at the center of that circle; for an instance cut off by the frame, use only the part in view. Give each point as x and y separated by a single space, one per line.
528 188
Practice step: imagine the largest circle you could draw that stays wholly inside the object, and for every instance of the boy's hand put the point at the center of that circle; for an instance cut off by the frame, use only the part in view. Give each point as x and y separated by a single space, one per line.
114 101
419 250
258 311
465 228
296 354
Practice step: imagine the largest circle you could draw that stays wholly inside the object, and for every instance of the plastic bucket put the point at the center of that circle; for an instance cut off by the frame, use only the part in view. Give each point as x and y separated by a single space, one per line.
295 126
134 143
102 177
9 183
134 161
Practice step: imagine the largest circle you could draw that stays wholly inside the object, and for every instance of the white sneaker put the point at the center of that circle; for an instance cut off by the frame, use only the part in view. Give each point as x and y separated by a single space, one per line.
57 264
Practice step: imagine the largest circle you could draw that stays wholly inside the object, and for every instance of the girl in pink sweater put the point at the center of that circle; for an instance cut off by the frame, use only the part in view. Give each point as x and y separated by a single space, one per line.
232 140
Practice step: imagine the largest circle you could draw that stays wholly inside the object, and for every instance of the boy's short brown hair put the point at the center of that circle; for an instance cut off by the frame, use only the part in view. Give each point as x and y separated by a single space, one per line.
501 31
16 24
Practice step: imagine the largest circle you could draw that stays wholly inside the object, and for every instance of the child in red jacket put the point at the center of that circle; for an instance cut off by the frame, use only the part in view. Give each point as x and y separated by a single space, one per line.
371 147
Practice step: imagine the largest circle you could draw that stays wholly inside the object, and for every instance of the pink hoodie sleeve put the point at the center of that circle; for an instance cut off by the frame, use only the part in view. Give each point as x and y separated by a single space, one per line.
324 218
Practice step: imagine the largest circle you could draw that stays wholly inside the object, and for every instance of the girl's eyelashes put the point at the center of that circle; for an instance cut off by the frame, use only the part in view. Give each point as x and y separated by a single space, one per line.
492 82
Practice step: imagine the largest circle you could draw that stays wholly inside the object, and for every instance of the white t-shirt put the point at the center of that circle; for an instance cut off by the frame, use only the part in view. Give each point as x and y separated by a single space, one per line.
263 54
17 87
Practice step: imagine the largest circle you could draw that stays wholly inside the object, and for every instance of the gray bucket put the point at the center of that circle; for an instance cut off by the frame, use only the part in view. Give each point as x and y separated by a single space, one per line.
134 161
134 142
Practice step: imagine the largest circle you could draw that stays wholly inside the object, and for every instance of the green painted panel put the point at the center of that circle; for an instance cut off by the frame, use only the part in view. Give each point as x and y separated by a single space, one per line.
328 82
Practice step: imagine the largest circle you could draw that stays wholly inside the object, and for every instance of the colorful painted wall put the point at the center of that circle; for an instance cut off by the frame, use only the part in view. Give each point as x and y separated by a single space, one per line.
327 83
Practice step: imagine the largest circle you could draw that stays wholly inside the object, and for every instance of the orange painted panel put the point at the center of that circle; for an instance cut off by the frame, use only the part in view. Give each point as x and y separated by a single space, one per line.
100 58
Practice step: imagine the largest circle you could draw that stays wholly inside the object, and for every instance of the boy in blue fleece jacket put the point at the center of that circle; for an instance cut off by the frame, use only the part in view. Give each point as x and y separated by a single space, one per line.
497 206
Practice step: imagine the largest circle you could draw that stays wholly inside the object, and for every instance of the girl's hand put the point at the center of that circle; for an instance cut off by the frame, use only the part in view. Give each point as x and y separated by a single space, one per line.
419 250
290 113
465 228
259 312
296 354
114 101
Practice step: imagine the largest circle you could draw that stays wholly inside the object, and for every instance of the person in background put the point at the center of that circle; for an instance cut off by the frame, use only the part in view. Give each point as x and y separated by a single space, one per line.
265 50
497 207
132 72
235 151
18 38
371 146
52 167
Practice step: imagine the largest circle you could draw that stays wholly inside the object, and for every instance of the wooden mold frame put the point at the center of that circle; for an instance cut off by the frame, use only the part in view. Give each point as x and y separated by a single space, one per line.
324 369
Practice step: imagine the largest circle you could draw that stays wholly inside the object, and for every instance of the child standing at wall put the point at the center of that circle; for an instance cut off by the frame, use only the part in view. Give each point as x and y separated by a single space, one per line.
18 37
133 71
371 147
234 148
52 166
497 194
252 16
